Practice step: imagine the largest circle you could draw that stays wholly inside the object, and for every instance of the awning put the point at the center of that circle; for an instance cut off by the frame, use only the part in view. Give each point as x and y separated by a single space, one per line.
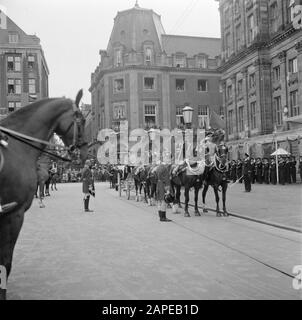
280 152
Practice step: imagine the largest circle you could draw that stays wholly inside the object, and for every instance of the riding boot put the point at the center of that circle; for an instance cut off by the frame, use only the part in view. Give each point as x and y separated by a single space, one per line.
164 218
87 205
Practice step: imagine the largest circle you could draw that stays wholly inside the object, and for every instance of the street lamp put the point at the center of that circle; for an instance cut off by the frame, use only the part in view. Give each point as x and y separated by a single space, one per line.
188 116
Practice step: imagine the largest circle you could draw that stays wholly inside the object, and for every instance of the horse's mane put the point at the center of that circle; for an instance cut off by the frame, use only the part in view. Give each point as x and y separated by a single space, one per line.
22 114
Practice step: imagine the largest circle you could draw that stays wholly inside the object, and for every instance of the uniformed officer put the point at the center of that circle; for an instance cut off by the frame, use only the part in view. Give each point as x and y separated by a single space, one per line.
259 170
273 172
239 170
300 168
281 165
287 171
253 174
293 169
247 171
265 171
88 185
233 176
162 190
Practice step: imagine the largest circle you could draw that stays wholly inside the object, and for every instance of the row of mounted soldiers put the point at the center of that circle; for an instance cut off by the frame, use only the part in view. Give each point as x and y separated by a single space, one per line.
264 170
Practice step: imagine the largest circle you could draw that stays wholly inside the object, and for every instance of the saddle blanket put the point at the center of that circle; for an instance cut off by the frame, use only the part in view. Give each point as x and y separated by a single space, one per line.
197 170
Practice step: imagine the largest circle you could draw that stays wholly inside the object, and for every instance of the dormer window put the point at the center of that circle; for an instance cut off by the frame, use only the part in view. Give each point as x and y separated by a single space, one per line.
180 61
202 62
31 62
118 57
13 38
148 55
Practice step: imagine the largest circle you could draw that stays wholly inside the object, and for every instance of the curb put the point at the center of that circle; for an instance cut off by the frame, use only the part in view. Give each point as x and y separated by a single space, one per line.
268 223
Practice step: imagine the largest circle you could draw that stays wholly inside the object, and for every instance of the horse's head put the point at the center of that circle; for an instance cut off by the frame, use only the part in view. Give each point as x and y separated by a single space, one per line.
71 128
216 135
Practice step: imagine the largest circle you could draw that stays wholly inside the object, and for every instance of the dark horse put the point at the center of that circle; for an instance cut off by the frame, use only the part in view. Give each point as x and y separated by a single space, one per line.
217 178
18 178
181 177
140 175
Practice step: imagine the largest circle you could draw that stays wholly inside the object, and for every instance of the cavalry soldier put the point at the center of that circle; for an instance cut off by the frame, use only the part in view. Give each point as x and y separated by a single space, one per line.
273 172
88 185
247 171
293 169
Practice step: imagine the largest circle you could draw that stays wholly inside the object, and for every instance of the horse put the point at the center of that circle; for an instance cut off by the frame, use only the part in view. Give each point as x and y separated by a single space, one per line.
185 176
140 176
217 177
29 129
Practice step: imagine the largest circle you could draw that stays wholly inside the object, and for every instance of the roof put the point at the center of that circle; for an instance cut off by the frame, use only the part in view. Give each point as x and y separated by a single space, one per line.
191 45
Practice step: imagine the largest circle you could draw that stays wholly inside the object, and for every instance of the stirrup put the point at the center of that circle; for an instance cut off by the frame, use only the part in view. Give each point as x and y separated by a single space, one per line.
8 207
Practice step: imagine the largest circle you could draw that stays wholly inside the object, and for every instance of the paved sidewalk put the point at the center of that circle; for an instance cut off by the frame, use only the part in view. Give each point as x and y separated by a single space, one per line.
276 204
122 251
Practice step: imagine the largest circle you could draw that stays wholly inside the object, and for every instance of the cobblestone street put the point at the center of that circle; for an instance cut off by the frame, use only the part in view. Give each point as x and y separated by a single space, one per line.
122 251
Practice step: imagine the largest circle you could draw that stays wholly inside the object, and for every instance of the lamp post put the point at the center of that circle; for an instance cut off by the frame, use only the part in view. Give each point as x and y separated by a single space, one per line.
188 117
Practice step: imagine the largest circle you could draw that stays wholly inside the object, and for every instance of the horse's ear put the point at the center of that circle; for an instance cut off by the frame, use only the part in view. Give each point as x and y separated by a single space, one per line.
79 98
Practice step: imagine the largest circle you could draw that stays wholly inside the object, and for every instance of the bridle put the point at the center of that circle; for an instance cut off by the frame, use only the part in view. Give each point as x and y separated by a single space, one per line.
77 141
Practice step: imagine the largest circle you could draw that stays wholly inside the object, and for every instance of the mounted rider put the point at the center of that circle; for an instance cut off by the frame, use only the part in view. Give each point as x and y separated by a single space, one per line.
88 185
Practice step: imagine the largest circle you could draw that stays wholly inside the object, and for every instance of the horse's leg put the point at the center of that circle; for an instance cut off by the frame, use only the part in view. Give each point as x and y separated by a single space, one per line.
204 194
136 190
217 201
41 194
197 213
187 199
224 190
36 194
10 226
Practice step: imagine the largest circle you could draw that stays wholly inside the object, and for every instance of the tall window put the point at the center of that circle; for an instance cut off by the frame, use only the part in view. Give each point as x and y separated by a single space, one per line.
230 122
202 85
13 63
241 119
150 115
290 10
295 109
228 45
229 92
239 87
253 116
202 62
252 80
118 57
276 73
251 28
203 117
180 85
238 37
119 111
148 55
274 17
119 85
179 116
30 62
32 86
293 65
149 83
278 110
14 86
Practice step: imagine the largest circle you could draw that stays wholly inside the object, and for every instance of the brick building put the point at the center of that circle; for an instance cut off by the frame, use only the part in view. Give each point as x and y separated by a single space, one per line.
147 76
261 75
23 68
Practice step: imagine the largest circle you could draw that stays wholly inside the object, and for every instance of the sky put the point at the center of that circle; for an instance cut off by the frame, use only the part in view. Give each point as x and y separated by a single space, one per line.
73 31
